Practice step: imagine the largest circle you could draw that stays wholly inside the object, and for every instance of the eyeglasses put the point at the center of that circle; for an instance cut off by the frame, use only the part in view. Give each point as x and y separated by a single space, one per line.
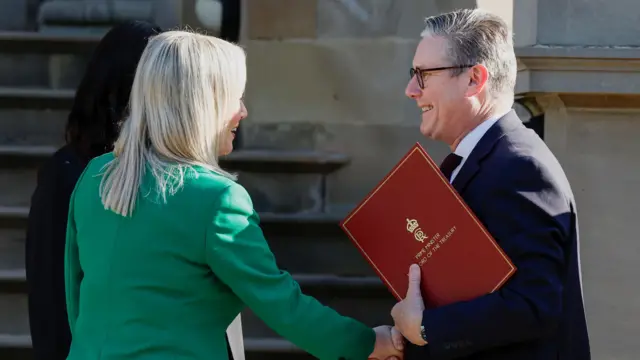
423 72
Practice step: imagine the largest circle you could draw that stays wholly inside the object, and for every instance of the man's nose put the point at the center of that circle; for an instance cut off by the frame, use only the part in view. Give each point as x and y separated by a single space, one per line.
412 90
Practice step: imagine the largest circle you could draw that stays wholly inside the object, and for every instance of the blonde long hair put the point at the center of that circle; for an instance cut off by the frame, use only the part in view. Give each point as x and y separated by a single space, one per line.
186 89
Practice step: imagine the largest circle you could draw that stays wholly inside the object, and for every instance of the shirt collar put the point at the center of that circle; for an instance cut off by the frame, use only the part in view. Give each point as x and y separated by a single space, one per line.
469 142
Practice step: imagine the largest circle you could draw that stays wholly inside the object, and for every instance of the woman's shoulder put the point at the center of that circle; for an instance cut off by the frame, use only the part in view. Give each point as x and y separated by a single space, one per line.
210 181
100 161
195 181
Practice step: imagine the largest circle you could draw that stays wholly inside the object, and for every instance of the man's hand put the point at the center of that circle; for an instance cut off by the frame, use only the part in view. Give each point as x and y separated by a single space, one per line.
387 345
407 314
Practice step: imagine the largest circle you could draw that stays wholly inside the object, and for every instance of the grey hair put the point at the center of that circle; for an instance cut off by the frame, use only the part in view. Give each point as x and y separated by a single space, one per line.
478 37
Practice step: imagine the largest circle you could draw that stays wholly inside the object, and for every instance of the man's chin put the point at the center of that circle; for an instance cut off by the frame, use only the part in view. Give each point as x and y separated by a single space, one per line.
427 124
426 131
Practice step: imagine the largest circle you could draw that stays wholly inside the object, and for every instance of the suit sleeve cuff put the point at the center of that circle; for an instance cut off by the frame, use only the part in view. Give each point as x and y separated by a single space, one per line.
441 341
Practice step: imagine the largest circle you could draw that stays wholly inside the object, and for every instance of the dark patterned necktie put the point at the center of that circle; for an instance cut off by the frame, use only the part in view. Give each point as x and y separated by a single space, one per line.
449 164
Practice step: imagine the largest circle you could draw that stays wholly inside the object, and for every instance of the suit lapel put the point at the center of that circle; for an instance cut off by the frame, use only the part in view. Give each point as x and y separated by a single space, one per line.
468 171
483 149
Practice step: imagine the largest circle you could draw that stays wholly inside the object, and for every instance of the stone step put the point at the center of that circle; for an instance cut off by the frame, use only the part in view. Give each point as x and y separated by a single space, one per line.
18 347
312 244
32 127
313 284
12 253
15 341
282 193
296 180
25 70
262 161
363 298
345 294
15 347
12 258
30 58
279 161
251 344
11 249
268 221
36 98
16 186
14 314
32 42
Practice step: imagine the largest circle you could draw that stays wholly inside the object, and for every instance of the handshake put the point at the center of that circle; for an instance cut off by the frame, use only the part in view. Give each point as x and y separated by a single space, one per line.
389 344
407 316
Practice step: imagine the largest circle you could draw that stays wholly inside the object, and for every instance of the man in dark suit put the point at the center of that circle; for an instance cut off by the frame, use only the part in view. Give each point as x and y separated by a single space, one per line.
463 80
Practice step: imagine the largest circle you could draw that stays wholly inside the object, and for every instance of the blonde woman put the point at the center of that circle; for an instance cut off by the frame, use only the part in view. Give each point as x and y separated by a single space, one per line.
163 246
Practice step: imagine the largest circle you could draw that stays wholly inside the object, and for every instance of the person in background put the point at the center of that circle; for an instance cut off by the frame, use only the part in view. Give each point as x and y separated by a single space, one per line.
93 124
164 247
463 80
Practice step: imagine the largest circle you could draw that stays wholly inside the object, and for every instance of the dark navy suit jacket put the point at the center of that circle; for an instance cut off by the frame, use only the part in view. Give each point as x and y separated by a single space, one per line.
518 190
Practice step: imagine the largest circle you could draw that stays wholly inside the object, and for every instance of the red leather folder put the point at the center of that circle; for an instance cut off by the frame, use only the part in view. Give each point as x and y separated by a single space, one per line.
415 216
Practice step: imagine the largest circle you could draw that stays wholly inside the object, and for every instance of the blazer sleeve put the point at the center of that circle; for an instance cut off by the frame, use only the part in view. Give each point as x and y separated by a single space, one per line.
238 254
530 218
73 273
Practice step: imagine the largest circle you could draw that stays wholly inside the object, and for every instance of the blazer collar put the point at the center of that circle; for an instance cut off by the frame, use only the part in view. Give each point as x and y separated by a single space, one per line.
471 166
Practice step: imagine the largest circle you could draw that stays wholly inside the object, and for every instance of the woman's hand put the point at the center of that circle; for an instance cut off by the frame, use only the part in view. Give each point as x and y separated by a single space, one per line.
389 344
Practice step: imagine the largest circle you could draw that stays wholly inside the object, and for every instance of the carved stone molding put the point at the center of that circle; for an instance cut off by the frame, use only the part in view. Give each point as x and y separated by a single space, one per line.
580 70
596 102
579 58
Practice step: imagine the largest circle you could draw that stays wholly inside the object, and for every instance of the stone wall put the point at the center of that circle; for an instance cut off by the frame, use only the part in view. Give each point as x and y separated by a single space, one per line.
588 22
598 149
23 69
583 65
330 75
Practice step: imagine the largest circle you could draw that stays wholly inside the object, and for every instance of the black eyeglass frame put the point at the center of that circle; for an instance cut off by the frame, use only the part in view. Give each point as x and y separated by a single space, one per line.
422 72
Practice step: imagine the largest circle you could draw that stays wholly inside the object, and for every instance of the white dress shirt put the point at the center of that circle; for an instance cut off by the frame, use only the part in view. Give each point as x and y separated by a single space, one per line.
236 338
469 142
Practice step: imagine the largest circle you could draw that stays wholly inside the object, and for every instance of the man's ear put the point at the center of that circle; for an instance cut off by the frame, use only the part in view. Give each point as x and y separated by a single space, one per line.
478 77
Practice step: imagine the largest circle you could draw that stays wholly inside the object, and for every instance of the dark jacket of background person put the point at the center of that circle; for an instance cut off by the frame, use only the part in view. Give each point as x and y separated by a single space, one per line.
93 124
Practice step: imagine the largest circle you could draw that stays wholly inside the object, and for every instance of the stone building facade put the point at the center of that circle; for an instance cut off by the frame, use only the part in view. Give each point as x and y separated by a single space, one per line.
329 75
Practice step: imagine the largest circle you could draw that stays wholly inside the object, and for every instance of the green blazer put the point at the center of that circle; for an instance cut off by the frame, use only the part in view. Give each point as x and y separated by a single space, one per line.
166 282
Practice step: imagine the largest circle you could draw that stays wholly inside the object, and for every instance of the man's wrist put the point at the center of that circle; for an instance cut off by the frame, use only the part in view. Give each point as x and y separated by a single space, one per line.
423 334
